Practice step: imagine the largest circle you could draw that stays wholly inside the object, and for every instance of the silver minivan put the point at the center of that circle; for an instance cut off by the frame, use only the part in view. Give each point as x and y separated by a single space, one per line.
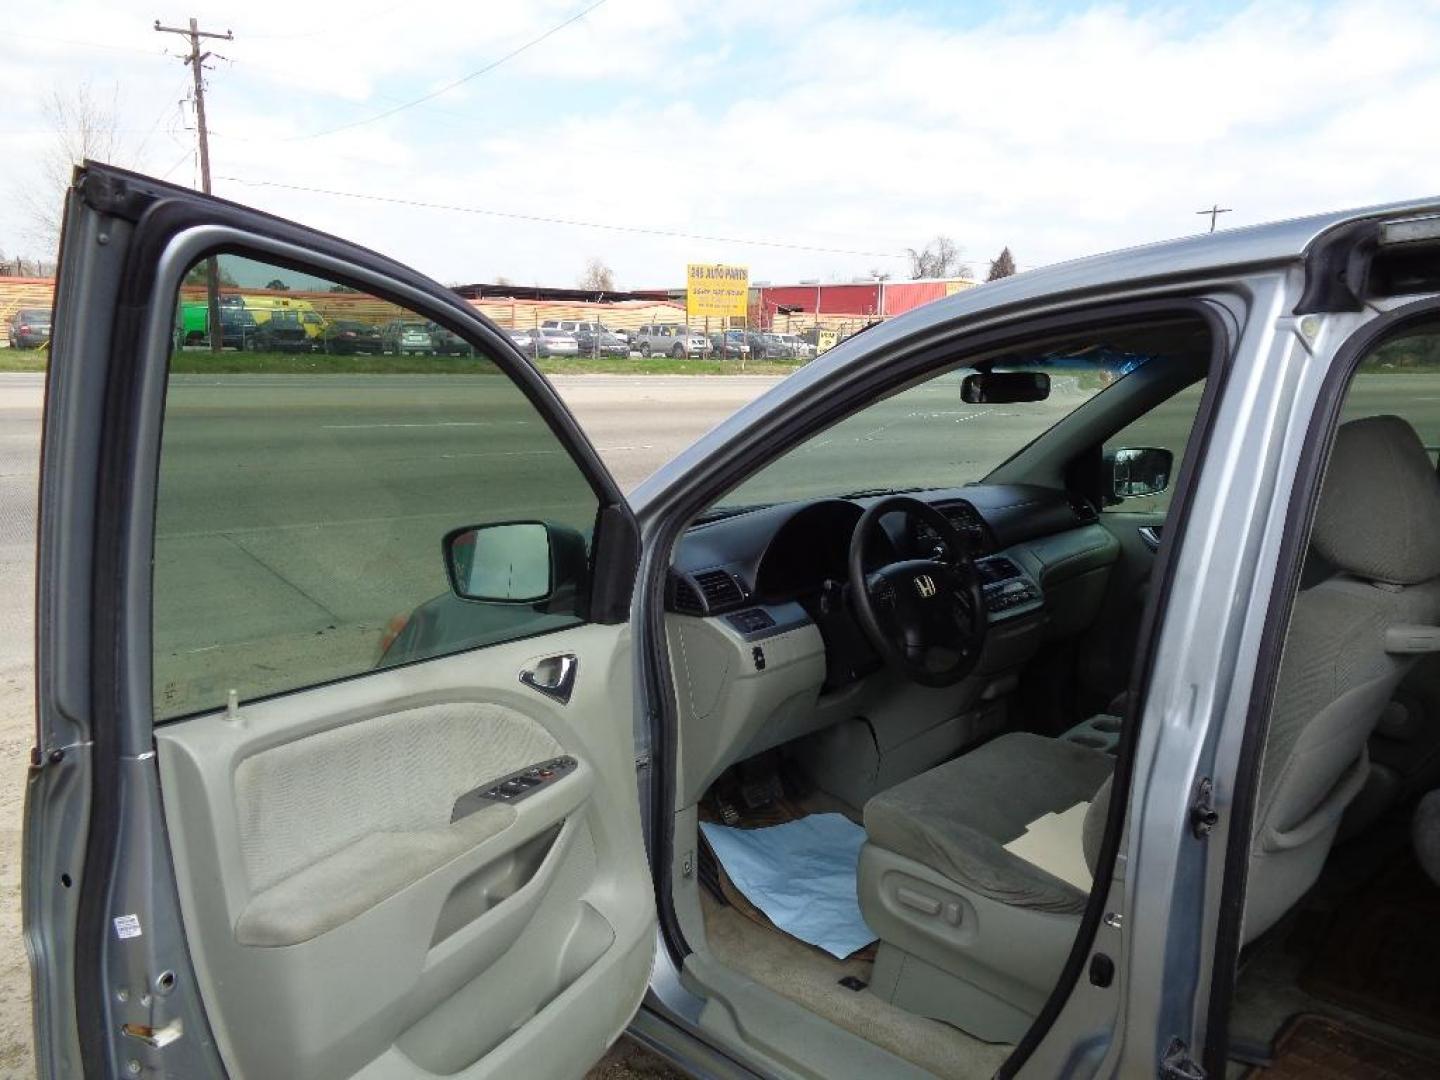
1039 684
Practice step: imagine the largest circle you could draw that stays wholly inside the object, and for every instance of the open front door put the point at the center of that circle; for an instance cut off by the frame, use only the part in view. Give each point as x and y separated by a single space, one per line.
334 773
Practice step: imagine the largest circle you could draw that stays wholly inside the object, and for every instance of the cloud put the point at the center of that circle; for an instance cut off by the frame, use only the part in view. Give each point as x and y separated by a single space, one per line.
826 123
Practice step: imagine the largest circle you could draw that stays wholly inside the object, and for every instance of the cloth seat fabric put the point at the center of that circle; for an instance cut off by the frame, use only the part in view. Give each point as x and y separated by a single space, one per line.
957 817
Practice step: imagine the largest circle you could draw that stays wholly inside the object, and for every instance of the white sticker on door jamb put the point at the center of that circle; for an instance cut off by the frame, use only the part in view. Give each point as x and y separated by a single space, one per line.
127 926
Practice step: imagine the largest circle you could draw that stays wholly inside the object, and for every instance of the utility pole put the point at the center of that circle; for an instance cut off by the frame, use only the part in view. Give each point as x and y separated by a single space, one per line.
196 60
1214 211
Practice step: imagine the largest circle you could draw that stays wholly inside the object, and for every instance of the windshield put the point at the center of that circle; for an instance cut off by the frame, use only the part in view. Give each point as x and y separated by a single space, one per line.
928 436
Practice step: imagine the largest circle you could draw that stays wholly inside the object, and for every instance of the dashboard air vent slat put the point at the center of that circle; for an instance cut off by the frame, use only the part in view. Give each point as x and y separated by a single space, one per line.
684 599
1085 514
720 590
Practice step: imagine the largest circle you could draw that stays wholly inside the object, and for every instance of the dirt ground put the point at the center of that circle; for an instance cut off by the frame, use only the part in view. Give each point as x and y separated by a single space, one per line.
16 735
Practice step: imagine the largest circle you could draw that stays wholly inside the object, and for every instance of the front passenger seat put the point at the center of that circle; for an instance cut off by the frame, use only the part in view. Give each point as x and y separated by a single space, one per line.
975 935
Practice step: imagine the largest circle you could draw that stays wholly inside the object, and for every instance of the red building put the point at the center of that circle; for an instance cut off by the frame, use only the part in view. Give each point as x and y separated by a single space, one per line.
862 299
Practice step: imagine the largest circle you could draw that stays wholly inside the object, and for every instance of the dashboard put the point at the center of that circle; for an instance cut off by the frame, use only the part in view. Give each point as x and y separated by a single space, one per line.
765 648
762 562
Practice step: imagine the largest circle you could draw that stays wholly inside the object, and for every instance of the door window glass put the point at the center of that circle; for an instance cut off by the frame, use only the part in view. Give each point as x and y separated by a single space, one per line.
304 495
1402 378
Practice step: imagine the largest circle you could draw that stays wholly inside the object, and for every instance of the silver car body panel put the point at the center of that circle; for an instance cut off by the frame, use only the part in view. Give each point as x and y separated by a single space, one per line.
1167 884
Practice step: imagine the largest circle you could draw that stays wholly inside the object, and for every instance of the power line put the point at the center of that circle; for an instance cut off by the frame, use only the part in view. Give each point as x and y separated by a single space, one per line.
573 222
329 28
79 44
458 82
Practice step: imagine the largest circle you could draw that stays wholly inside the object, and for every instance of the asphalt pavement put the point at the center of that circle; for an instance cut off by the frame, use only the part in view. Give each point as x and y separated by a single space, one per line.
313 505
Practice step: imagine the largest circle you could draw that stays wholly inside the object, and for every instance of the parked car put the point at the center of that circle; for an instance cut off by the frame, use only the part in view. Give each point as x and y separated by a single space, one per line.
29 328
769 346
553 342
797 346
671 339
1054 700
278 330
524 340
581 326
237 325
600 343
445 342
407 337
350 337
731 344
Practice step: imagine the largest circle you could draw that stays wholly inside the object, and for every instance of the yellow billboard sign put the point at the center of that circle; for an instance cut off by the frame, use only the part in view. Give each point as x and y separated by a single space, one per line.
713 290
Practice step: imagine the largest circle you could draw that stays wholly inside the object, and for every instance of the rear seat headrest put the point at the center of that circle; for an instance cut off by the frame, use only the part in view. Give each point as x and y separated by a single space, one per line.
1379 512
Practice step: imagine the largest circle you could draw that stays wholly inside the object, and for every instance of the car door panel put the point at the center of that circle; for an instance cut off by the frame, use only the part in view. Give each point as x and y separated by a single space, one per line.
295 882
332 903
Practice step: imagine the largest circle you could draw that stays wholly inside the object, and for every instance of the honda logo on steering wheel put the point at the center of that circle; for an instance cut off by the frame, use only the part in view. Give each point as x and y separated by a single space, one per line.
925 586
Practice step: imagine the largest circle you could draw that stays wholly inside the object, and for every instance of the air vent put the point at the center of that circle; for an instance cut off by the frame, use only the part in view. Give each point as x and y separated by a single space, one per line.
683 597
719 589
1085 514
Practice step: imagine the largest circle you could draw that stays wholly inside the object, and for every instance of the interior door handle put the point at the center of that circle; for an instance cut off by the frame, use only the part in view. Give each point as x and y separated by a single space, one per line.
554 676
1151 535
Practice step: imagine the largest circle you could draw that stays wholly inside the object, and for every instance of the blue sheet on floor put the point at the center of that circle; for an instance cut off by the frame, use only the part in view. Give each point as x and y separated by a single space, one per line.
801 875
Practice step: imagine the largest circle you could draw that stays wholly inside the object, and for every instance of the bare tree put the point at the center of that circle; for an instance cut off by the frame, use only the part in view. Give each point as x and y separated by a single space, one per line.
881 275
501 279
1003 265
940 258
597 276
85 123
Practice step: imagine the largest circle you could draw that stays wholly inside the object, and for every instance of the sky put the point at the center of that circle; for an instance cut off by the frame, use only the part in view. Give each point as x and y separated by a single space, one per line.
805 139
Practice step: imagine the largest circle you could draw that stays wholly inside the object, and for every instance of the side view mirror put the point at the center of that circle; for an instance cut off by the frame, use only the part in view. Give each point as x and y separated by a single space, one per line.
513 562
1004 387
1133 471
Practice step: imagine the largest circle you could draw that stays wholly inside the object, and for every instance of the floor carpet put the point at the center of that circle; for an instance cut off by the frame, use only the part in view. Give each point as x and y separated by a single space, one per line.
1380 955
1320 1048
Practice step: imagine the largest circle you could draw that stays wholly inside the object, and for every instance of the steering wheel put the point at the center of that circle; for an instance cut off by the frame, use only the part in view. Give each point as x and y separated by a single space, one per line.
925 617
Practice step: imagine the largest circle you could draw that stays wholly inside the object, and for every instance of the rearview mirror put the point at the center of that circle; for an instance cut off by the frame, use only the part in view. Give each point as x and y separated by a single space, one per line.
513 562
1138 470
1004 387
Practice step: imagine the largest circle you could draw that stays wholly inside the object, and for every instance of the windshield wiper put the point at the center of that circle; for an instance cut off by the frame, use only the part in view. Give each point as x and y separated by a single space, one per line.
715 513
870 493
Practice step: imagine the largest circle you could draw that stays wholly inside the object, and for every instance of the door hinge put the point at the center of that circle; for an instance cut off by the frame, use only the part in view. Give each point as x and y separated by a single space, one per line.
1178 1064
1203 814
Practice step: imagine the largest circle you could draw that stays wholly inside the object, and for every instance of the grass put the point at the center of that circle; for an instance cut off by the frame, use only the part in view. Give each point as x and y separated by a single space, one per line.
198 362
23 359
